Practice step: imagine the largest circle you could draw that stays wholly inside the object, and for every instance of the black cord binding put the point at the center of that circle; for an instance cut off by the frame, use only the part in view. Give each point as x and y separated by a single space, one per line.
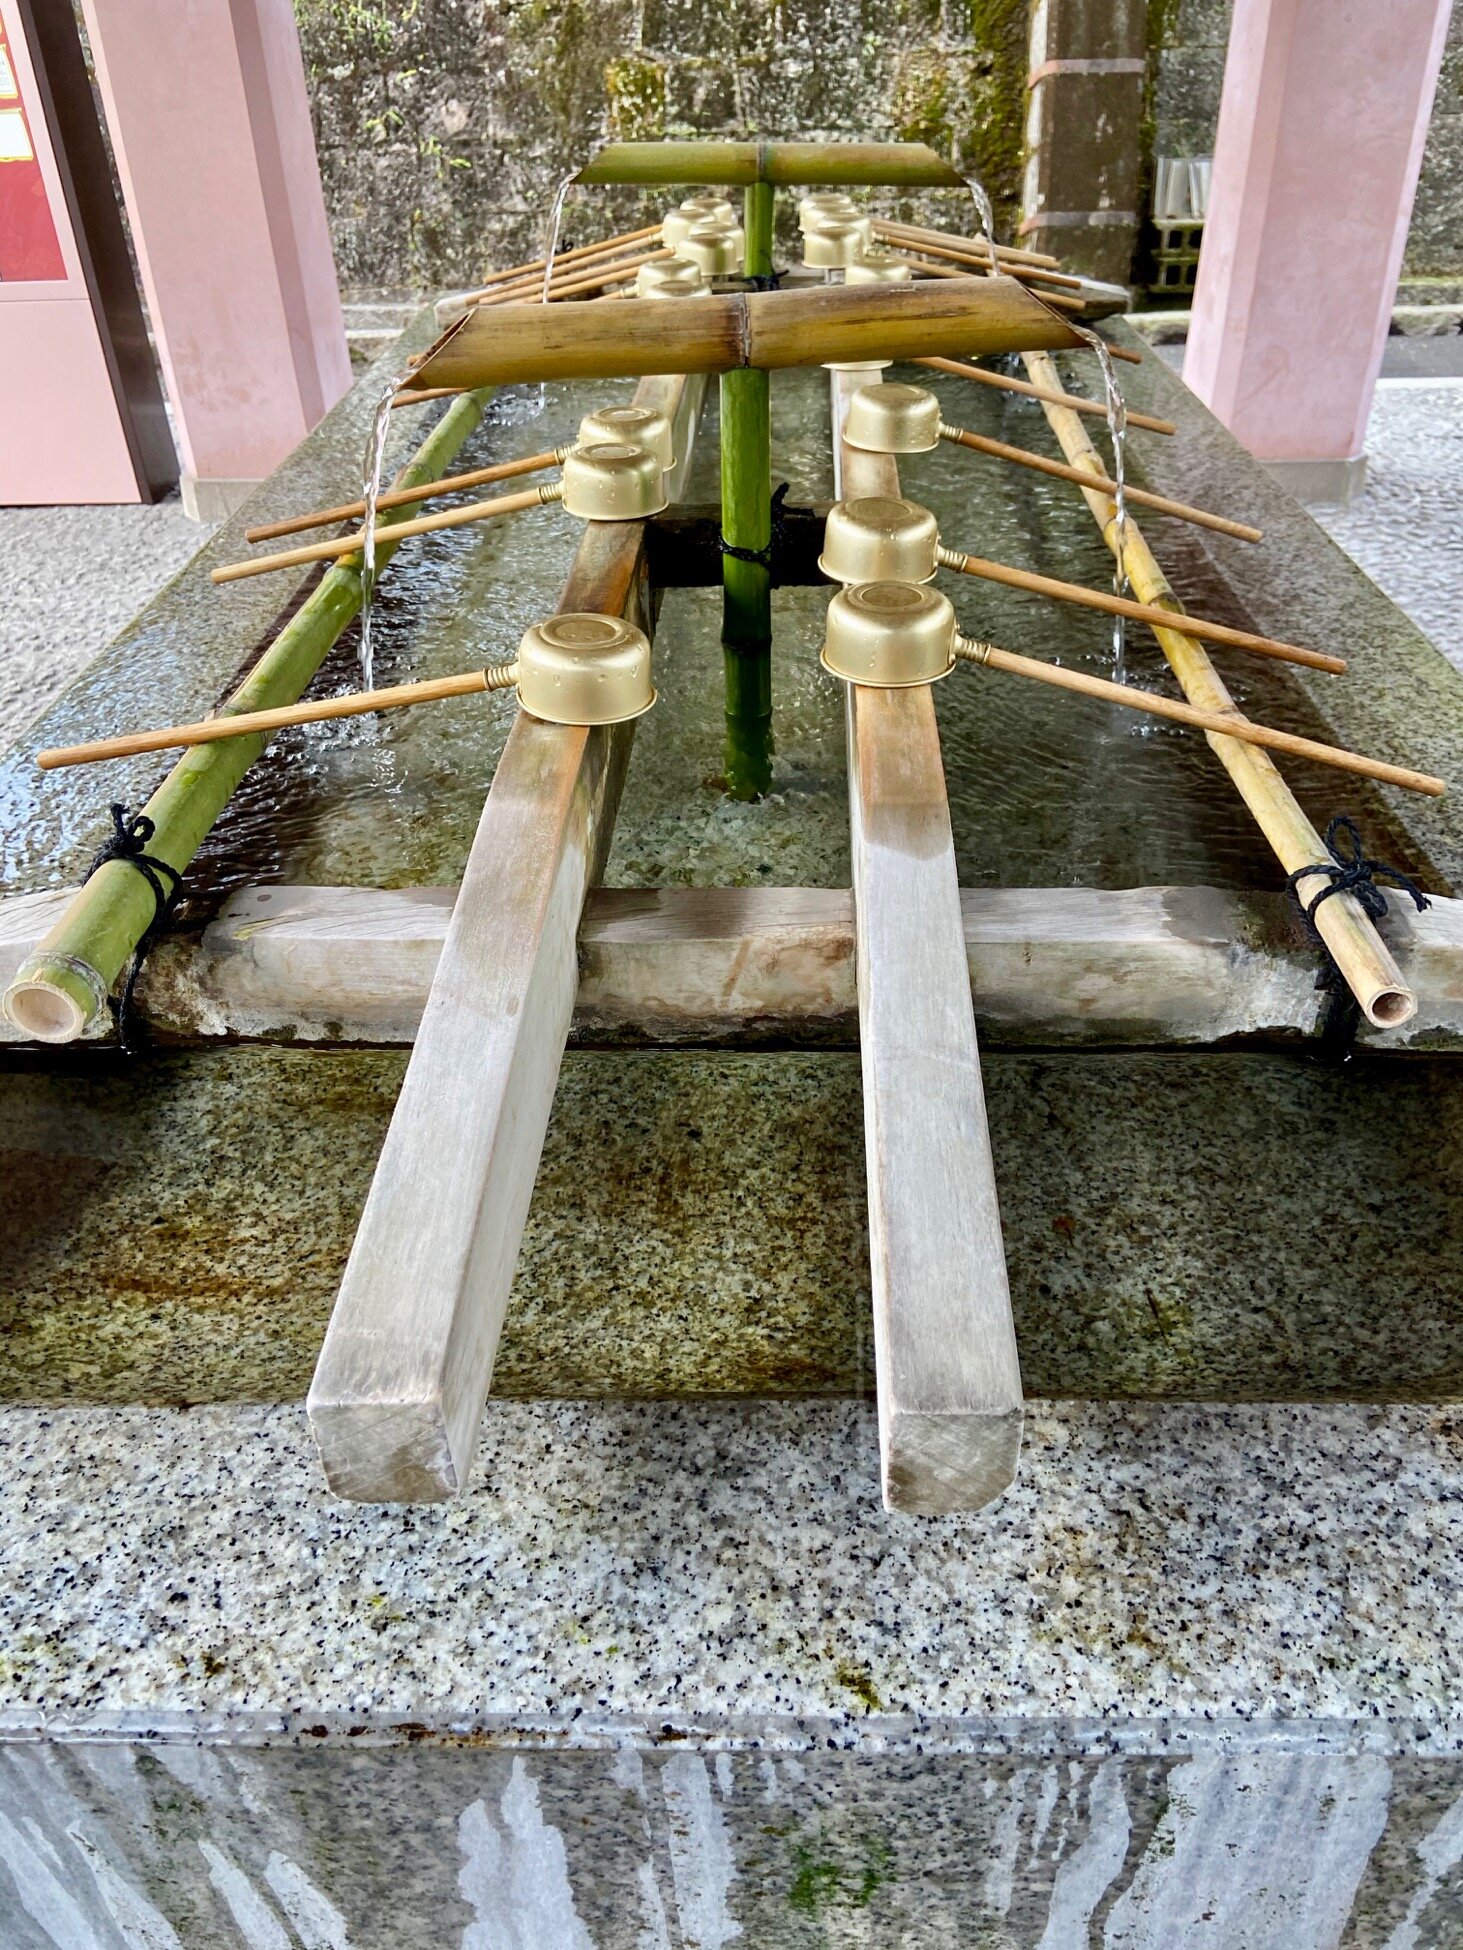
1352 873
764 556
130 836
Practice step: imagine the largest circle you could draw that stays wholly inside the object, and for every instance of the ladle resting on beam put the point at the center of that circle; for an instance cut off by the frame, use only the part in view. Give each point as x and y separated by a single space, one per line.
906 420
894 634
887 540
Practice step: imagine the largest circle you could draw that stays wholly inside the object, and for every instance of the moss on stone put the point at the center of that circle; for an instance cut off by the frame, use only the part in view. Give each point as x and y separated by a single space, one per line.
635 91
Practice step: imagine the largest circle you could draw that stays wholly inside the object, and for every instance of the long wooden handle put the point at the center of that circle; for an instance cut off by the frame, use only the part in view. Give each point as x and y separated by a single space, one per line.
1232 724
290 558
1062 300
1162 619
581 278
606 247
1008 253
505 470
1075 401
1060 471
932 244
208 731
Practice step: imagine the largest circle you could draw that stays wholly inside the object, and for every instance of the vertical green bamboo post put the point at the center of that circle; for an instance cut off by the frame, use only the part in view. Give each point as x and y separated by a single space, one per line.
746 522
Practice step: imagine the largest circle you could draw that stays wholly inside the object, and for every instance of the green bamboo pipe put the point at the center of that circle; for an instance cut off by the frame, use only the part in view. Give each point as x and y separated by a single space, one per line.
746 522
64 985
739 164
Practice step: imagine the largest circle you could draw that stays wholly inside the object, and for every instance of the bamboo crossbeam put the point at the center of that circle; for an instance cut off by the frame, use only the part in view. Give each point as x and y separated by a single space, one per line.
1232 723
1014 253
503 470
340 546
622 240
734 165
65 984
762 329
1111 605
1059 471
1365 962
1005 384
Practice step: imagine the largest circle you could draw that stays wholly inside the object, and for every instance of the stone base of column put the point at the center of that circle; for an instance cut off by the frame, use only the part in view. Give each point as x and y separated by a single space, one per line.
1336 483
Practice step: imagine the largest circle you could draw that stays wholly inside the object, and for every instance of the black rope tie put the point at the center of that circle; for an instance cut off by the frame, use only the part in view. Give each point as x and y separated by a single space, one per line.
762 281
764 556
1351 873
131 833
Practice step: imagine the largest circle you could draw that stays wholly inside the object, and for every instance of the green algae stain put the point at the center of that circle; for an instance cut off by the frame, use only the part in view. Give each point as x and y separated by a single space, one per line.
859 1681
635 91
823 1881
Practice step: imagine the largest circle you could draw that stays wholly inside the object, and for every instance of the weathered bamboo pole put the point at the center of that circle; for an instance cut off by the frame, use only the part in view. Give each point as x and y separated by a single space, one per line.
746 523
1241 531
1005 384
1232 722
340 546
504 470
1365 962
65 984
766 329
1111 605
736 164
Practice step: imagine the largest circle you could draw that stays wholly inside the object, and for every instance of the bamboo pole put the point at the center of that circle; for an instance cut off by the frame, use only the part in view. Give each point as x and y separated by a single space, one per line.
1365 962
582 252
212 731
1005 384
1140 497
1232 723
61 987
503 470
746 523
340 546
1076 592
766 329
736 164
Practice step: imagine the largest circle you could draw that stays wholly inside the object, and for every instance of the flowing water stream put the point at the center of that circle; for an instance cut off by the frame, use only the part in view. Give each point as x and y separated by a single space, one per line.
1117 426
370 494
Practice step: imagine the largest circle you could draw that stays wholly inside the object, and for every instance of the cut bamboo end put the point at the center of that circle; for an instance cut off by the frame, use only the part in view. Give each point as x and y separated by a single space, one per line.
54 1004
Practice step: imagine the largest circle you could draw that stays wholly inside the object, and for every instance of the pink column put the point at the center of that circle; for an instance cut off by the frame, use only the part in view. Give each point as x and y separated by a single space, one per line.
210 123
1321 131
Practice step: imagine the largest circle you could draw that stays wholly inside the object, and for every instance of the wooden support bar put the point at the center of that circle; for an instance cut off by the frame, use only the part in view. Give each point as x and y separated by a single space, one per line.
676 967
949 1381
408 1356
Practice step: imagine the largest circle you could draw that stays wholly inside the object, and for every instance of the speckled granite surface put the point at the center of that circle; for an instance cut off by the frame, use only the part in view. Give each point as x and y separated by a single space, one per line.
653 1567
1187 1225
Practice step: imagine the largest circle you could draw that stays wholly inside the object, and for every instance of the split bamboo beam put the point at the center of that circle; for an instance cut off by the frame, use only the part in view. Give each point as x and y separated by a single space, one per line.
763 329
1005 384
209 731
622 240
736 164
1111 605
504 470
1232 722
65 984
1365 961
1139 497
340 546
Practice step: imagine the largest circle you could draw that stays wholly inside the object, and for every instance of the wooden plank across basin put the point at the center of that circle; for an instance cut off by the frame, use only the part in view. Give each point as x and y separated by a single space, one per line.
408 1356
948 1377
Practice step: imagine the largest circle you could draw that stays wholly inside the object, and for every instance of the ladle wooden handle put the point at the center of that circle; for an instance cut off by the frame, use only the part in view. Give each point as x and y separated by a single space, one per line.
1060 471
1004 383
1161 619
1230 725
504 470
208 731
290 558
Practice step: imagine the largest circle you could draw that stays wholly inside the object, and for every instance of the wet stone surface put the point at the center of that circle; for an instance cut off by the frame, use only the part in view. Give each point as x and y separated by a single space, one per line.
1180 1226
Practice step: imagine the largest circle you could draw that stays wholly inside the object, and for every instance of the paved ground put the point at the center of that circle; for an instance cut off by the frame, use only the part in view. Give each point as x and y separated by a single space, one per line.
71 577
